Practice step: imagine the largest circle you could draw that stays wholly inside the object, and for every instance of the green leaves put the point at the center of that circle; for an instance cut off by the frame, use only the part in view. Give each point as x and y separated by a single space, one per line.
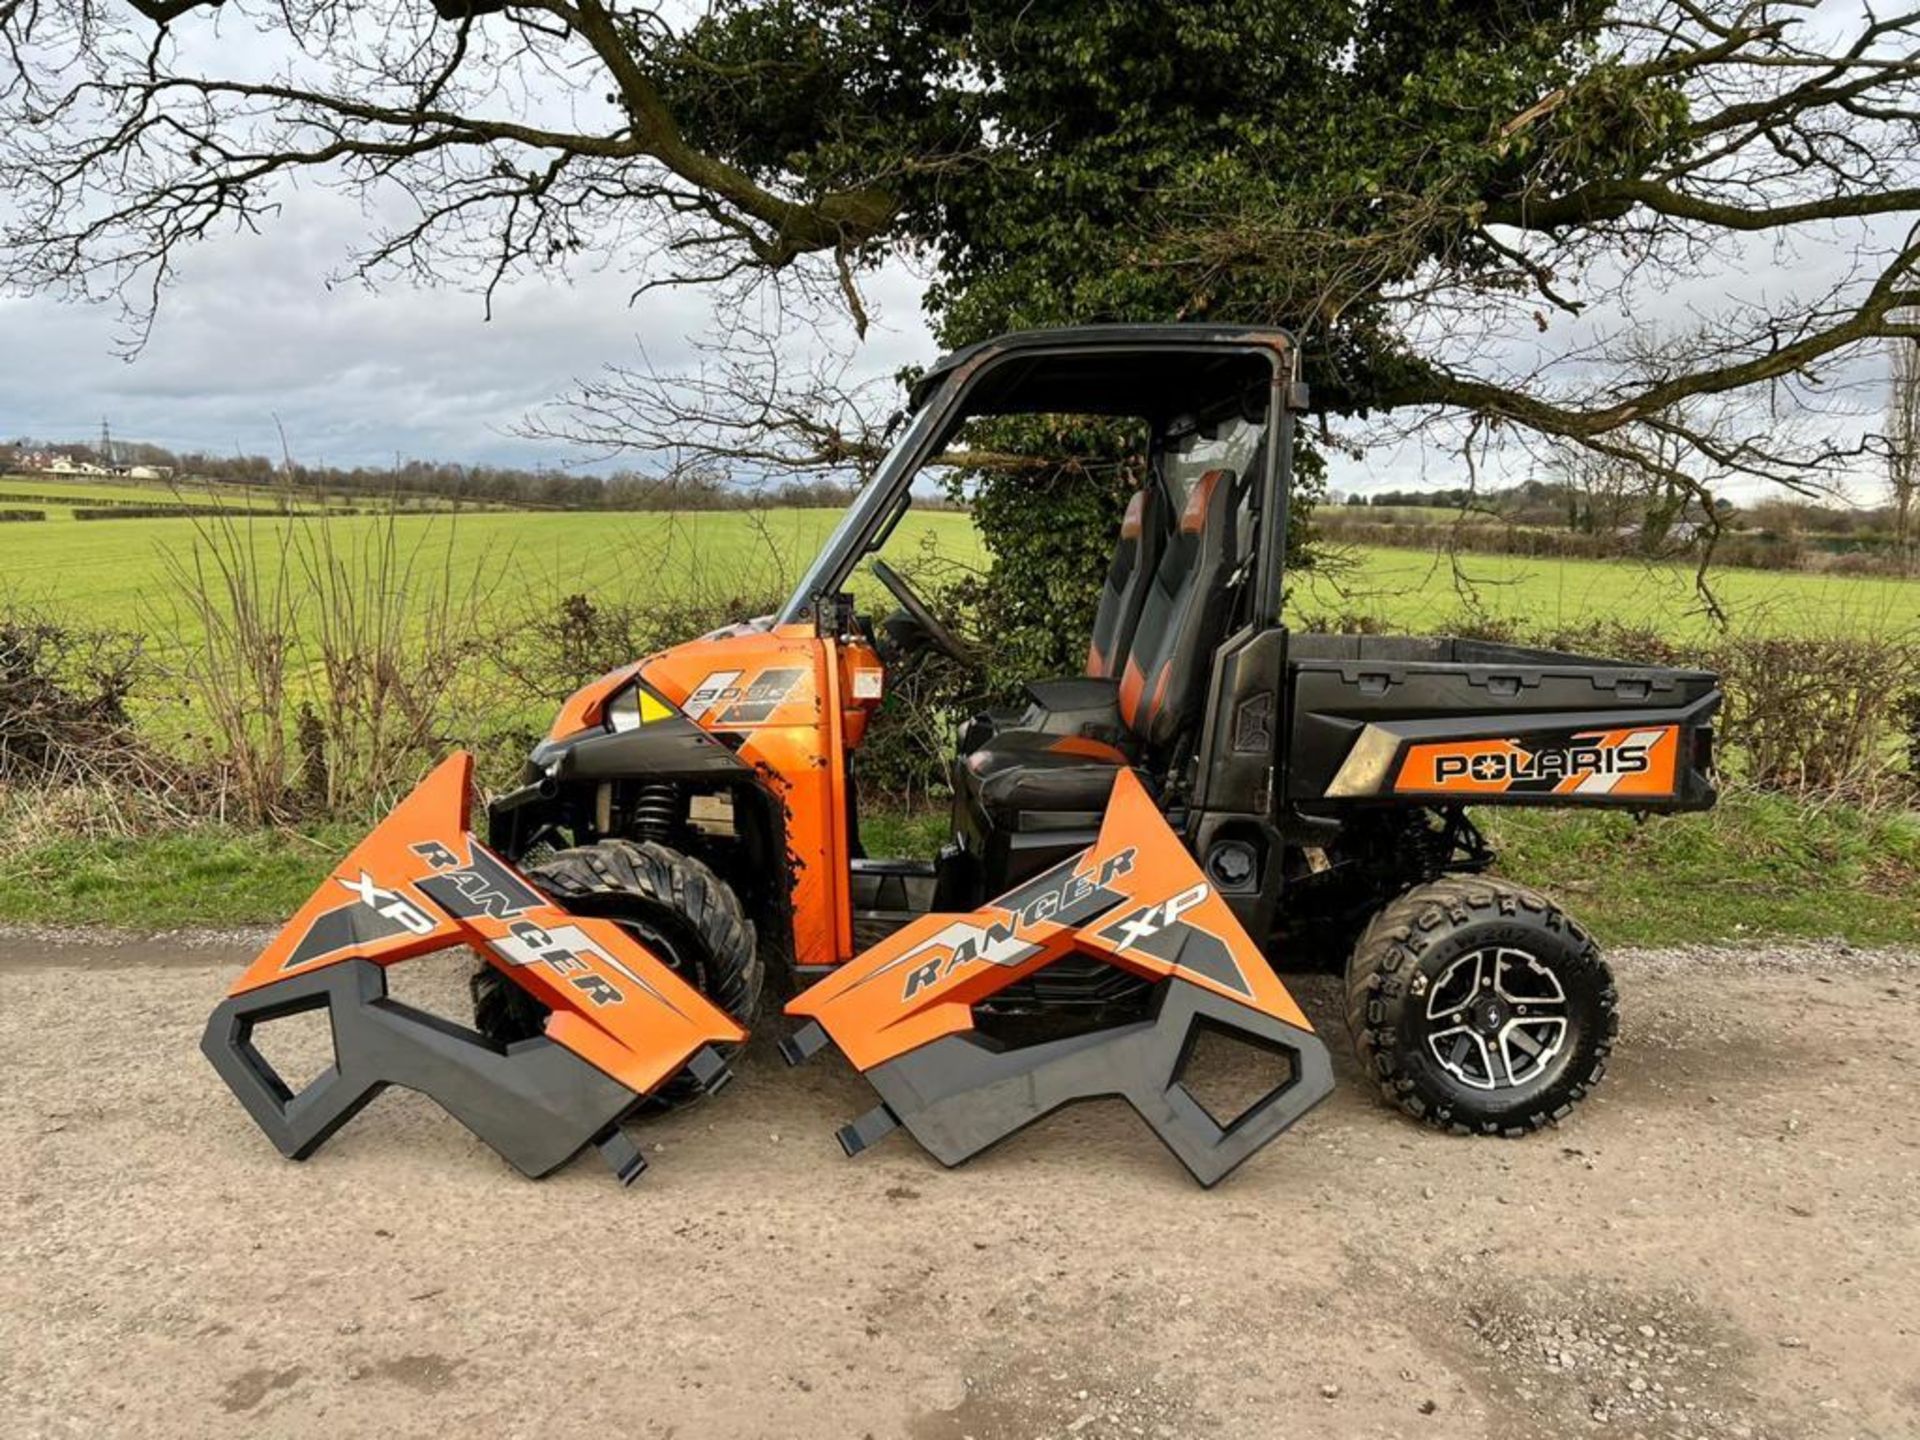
1058 163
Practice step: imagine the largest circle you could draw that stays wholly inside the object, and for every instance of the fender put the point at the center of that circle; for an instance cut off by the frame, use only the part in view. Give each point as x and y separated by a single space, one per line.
902 1011
622 1023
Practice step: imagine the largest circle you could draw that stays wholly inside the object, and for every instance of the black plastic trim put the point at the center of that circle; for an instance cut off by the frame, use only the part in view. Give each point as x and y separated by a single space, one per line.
961 1094
535 1102
672 748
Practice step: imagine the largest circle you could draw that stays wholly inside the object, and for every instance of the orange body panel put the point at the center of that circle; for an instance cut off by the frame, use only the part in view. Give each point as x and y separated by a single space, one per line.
919 984
788 695
1643 761
614 1003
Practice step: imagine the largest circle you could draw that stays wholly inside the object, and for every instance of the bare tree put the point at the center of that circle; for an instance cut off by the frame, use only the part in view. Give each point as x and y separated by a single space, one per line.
750 402
488 138
502 137
1772 129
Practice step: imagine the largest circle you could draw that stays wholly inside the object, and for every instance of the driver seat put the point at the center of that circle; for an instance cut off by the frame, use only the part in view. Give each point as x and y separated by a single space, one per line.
1047 787
1084 704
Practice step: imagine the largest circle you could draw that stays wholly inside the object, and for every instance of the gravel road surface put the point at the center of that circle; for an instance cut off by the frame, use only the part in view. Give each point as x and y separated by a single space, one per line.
1723 1242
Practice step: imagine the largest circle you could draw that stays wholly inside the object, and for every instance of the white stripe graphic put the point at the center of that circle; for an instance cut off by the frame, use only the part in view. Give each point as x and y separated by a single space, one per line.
1603 784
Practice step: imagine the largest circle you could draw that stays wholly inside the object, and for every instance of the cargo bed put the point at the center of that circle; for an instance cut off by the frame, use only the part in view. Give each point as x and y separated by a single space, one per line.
1379 718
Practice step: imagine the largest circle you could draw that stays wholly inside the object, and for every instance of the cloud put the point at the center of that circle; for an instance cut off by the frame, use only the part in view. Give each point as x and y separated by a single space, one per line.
252 330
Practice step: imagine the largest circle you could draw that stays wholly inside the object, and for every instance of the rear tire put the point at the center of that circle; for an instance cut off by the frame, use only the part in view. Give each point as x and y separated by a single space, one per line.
671 903
1479 1007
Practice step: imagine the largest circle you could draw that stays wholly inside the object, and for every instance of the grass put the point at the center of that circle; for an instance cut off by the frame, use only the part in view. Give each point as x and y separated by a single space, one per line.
214 876
1409 515
115 575
202 877
1759 866
97 492
1418 591
115 572
60 496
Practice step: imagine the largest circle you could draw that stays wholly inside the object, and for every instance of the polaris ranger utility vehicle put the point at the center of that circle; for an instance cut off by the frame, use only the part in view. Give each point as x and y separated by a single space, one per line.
1132 852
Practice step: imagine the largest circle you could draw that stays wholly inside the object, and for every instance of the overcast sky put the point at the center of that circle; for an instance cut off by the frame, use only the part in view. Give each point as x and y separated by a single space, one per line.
252 331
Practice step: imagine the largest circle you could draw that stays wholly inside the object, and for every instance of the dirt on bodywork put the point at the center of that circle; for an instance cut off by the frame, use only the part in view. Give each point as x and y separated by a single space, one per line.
1720 1243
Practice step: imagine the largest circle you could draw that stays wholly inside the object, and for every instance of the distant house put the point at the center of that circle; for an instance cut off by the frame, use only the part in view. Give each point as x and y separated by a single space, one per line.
1680 534
67 465
149 472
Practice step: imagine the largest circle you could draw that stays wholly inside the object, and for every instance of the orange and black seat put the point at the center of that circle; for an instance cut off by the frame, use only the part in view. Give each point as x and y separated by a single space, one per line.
1087 704
1124 592
1026 779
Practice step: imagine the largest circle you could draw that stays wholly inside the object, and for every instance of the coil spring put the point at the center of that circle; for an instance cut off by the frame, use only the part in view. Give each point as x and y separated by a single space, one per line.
656 811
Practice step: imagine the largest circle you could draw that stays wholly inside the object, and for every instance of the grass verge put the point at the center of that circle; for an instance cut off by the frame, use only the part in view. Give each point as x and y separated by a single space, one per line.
200 877
1758 866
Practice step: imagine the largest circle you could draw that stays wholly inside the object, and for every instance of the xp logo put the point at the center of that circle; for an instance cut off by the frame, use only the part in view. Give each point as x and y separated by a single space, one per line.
1129 931
1505 767
390 905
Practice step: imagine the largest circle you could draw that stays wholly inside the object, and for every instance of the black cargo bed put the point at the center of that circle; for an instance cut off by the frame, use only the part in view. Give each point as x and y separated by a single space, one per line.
1365 708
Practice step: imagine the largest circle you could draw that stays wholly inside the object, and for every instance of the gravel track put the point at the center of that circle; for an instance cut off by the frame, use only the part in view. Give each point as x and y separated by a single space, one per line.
1721 1243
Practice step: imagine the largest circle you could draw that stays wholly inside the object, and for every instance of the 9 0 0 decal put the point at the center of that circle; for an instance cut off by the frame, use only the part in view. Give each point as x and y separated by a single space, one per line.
1599 762
723 700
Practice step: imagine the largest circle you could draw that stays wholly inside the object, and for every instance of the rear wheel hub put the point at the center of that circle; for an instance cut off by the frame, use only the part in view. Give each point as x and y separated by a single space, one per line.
1497 1018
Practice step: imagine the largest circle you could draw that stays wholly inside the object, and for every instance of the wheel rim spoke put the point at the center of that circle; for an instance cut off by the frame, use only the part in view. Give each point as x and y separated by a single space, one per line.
1499 1017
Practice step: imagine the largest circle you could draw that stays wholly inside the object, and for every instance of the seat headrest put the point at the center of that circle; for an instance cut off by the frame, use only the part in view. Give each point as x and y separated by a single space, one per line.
1206 491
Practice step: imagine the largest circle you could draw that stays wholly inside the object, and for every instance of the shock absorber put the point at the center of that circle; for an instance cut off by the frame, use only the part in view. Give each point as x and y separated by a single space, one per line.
657 811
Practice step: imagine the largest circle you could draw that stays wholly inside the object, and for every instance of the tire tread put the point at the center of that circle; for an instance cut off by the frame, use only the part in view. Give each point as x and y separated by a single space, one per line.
1390 947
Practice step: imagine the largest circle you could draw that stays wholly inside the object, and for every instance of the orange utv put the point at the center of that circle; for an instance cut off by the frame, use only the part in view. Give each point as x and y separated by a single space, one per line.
1133 853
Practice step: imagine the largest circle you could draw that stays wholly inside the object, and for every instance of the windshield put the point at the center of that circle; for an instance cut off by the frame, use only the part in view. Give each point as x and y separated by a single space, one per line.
869 510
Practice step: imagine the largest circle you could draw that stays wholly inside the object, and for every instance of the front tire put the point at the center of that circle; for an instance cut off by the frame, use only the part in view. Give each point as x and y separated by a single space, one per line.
671 903
1479 1007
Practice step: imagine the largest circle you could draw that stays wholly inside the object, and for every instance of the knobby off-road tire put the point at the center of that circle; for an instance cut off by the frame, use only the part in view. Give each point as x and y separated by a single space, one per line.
671 903
1449 999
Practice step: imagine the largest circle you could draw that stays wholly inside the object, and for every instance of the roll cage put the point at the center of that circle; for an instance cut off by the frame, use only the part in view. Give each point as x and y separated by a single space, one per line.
1152 372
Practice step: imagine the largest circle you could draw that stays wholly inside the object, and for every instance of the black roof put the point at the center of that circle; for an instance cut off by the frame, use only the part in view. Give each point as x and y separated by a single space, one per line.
1108 369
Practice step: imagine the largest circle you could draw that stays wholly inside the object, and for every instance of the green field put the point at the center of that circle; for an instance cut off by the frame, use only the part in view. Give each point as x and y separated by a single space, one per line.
116 572
132 492
59 496
1415 590
117 575
1761 865
1409 515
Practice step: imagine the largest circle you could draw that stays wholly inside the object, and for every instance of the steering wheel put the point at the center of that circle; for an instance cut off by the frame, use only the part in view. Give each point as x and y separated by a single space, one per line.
944 640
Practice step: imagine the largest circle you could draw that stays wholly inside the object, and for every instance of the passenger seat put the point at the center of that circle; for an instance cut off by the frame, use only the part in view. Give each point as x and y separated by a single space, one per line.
1160 694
